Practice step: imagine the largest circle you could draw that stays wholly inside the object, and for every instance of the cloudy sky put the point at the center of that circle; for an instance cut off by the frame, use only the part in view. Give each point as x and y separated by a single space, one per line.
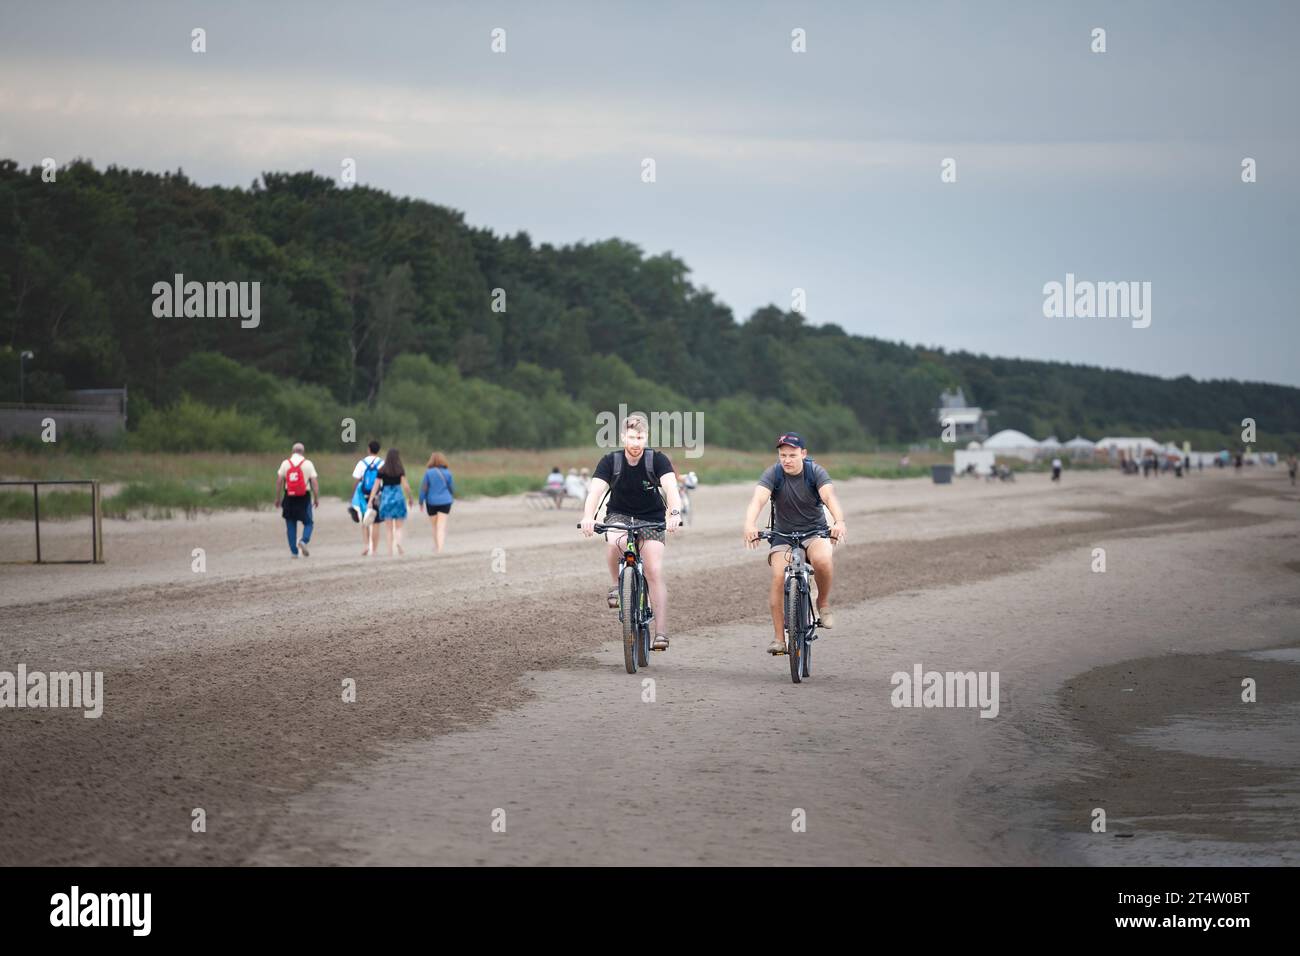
775 170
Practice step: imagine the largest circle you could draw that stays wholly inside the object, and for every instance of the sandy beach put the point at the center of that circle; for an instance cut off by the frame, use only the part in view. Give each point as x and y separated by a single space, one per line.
489 689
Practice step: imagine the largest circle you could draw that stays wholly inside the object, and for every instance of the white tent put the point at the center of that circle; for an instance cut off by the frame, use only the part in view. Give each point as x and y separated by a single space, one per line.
1050 441
1011 443
1131 447
1079 448
1010 438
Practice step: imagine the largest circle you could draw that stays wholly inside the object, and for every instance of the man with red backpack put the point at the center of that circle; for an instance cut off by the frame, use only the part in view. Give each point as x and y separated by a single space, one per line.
295 485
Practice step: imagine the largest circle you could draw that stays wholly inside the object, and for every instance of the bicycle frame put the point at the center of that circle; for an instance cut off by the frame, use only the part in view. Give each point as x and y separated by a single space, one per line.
796 576
632 559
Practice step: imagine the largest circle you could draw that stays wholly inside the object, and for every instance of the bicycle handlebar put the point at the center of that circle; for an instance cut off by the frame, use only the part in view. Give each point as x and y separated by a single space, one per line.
601 527
794 539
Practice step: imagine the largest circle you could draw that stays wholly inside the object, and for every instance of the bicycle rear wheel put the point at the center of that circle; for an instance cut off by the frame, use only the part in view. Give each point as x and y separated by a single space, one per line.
627 612
794 630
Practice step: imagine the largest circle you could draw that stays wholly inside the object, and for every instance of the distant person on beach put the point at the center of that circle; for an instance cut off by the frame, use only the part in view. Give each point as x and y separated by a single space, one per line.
296 488
1237 464
437 491
555 485
575 486
1056 469
364 476
1291 467
391 496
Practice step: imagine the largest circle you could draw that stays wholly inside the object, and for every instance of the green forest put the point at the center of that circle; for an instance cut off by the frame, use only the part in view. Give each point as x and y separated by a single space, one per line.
384 309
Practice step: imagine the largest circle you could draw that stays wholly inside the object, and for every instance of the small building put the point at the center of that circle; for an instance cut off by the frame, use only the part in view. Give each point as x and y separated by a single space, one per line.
970 422
101 411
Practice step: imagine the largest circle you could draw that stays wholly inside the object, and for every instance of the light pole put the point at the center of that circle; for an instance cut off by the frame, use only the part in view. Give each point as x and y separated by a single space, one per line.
22 385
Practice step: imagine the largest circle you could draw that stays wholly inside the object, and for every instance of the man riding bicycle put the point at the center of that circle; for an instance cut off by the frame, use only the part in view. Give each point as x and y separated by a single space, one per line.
797 487
632 475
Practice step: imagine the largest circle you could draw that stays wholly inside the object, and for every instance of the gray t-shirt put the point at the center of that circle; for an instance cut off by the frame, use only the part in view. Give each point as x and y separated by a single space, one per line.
797 507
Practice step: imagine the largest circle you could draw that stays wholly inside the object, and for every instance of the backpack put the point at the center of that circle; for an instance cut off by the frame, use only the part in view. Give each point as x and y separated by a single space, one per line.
647 461
295 481
371 473
779 482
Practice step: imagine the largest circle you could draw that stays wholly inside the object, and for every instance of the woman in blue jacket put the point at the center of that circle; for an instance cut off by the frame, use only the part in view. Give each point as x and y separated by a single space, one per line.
437 491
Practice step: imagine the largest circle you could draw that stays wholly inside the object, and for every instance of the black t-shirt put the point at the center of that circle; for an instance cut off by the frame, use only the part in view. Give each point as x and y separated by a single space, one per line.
388 480
636 494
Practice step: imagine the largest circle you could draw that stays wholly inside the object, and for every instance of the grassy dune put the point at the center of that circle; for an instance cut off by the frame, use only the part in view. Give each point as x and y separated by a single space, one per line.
159 485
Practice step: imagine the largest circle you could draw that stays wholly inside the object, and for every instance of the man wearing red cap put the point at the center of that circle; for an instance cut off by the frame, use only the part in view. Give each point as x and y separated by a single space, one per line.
797 487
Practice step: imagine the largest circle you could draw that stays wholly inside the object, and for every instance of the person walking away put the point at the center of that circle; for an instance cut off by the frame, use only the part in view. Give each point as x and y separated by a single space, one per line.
296 489
437 491
391 496
364 476
1056 469
1291 467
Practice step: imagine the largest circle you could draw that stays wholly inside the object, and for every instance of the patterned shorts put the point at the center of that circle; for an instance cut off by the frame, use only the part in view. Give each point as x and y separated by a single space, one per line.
647 534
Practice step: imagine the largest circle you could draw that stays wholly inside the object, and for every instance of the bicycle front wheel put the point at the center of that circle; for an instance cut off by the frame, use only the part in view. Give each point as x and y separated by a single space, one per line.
794 630
643 631
628 597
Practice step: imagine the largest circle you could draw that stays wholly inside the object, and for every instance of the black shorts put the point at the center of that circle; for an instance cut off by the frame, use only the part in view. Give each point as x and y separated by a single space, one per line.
437 509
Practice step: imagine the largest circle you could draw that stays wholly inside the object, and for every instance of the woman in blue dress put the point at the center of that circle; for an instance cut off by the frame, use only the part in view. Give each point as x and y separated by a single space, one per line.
392 495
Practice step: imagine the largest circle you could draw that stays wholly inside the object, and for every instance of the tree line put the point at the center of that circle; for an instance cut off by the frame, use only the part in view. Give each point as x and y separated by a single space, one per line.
396 312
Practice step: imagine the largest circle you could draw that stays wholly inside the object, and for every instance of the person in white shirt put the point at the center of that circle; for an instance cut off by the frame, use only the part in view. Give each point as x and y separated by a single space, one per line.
1056 469
296 487
364 476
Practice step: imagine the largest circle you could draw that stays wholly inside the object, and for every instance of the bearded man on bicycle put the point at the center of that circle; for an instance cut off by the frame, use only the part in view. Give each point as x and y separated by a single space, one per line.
633 475
797 487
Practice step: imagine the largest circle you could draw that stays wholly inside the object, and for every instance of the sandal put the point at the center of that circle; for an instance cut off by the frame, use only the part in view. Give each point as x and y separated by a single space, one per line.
661 643
612 598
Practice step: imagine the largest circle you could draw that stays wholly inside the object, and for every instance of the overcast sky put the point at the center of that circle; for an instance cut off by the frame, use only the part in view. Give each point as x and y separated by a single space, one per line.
775 170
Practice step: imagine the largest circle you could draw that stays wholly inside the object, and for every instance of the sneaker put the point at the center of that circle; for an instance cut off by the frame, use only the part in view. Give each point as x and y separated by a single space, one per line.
293 554
825 618
777 646
302 546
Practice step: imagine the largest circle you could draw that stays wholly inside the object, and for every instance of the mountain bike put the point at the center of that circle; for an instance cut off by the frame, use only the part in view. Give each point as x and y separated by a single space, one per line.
800 613
634 611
